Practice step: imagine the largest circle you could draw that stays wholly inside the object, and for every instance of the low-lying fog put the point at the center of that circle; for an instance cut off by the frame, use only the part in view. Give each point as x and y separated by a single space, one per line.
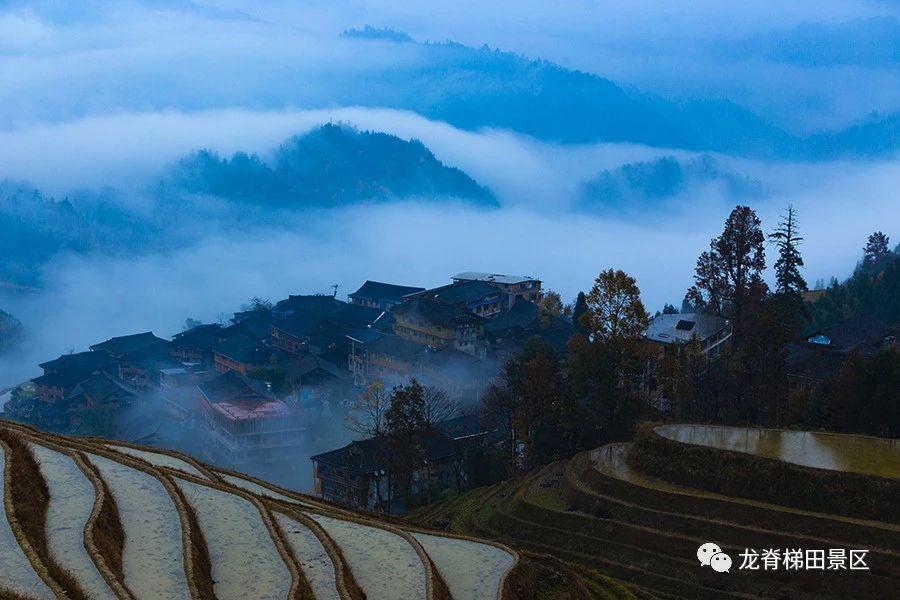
89 298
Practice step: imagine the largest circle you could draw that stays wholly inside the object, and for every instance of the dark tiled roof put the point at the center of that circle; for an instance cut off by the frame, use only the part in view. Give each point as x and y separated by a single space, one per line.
365 335
398 347
85 362
118 346
321 305
309 363
202 337
384 292
464 292
103 387
364 456
811 362
231 387
522 315
298 325
460 427
355 316
249 351
257 324
863 330
438 312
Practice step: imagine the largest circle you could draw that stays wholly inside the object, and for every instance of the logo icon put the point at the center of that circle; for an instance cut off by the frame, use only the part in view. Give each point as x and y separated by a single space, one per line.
711 555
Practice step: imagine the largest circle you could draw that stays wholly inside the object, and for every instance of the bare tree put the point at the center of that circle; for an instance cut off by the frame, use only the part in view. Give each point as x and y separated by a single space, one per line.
438 407
367 415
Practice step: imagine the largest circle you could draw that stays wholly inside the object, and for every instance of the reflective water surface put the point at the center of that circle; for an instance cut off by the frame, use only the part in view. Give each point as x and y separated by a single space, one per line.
856 453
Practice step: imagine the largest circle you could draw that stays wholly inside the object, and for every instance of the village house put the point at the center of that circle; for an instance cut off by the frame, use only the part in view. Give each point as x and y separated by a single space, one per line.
394 360
438 323
61 375
245 425
513 287
358 475
820 354
120 346
195 346
383 296
477 297
677 330
243 355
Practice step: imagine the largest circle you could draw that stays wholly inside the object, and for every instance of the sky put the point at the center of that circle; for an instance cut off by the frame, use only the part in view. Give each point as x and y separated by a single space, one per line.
104 93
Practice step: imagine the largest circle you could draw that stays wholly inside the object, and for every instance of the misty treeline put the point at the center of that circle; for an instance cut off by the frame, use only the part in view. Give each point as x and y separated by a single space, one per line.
549 407
333 165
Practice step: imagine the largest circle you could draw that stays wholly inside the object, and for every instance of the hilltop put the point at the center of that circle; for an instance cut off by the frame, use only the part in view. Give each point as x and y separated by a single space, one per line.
332 165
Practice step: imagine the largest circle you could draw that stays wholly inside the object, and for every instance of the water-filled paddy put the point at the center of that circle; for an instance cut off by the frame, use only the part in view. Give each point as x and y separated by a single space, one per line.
838 452
72 498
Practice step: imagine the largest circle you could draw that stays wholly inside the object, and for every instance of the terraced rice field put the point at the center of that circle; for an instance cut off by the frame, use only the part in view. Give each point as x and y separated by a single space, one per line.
385 564
837 452
71 502
166 529
16 572
599 514
245 560
314 559
153 558
159 459
482 566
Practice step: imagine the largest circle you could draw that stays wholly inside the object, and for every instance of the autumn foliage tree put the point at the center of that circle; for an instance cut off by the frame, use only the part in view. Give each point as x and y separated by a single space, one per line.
614 307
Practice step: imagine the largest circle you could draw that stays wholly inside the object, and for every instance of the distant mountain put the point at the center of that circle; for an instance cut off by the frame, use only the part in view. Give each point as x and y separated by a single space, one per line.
11 331
34 228
475 88
377 33
330 166
873 42
638 185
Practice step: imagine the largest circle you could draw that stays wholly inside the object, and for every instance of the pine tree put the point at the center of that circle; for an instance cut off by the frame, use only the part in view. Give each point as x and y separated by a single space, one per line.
787 268
729 274
877 248
579 311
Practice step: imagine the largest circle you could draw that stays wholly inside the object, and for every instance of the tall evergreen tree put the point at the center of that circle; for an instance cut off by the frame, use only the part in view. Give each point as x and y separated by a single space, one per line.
787 268
729 274
580 310
876 249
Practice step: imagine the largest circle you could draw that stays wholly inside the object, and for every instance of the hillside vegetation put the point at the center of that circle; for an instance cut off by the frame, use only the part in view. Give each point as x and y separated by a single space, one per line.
599 513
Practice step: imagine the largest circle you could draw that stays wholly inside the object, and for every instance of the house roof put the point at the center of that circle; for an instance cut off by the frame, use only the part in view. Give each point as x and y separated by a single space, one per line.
248 351
202 336
298 325
364 457
460 427
493 277
309 363
681 328
103 389
437 311
397 347
354 315
464 292
861 331
523 314
317 304
384 292
124 344
239 398
85 362
365 335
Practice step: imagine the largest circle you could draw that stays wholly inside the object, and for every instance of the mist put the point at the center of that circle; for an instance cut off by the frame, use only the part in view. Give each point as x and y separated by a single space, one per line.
109 95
